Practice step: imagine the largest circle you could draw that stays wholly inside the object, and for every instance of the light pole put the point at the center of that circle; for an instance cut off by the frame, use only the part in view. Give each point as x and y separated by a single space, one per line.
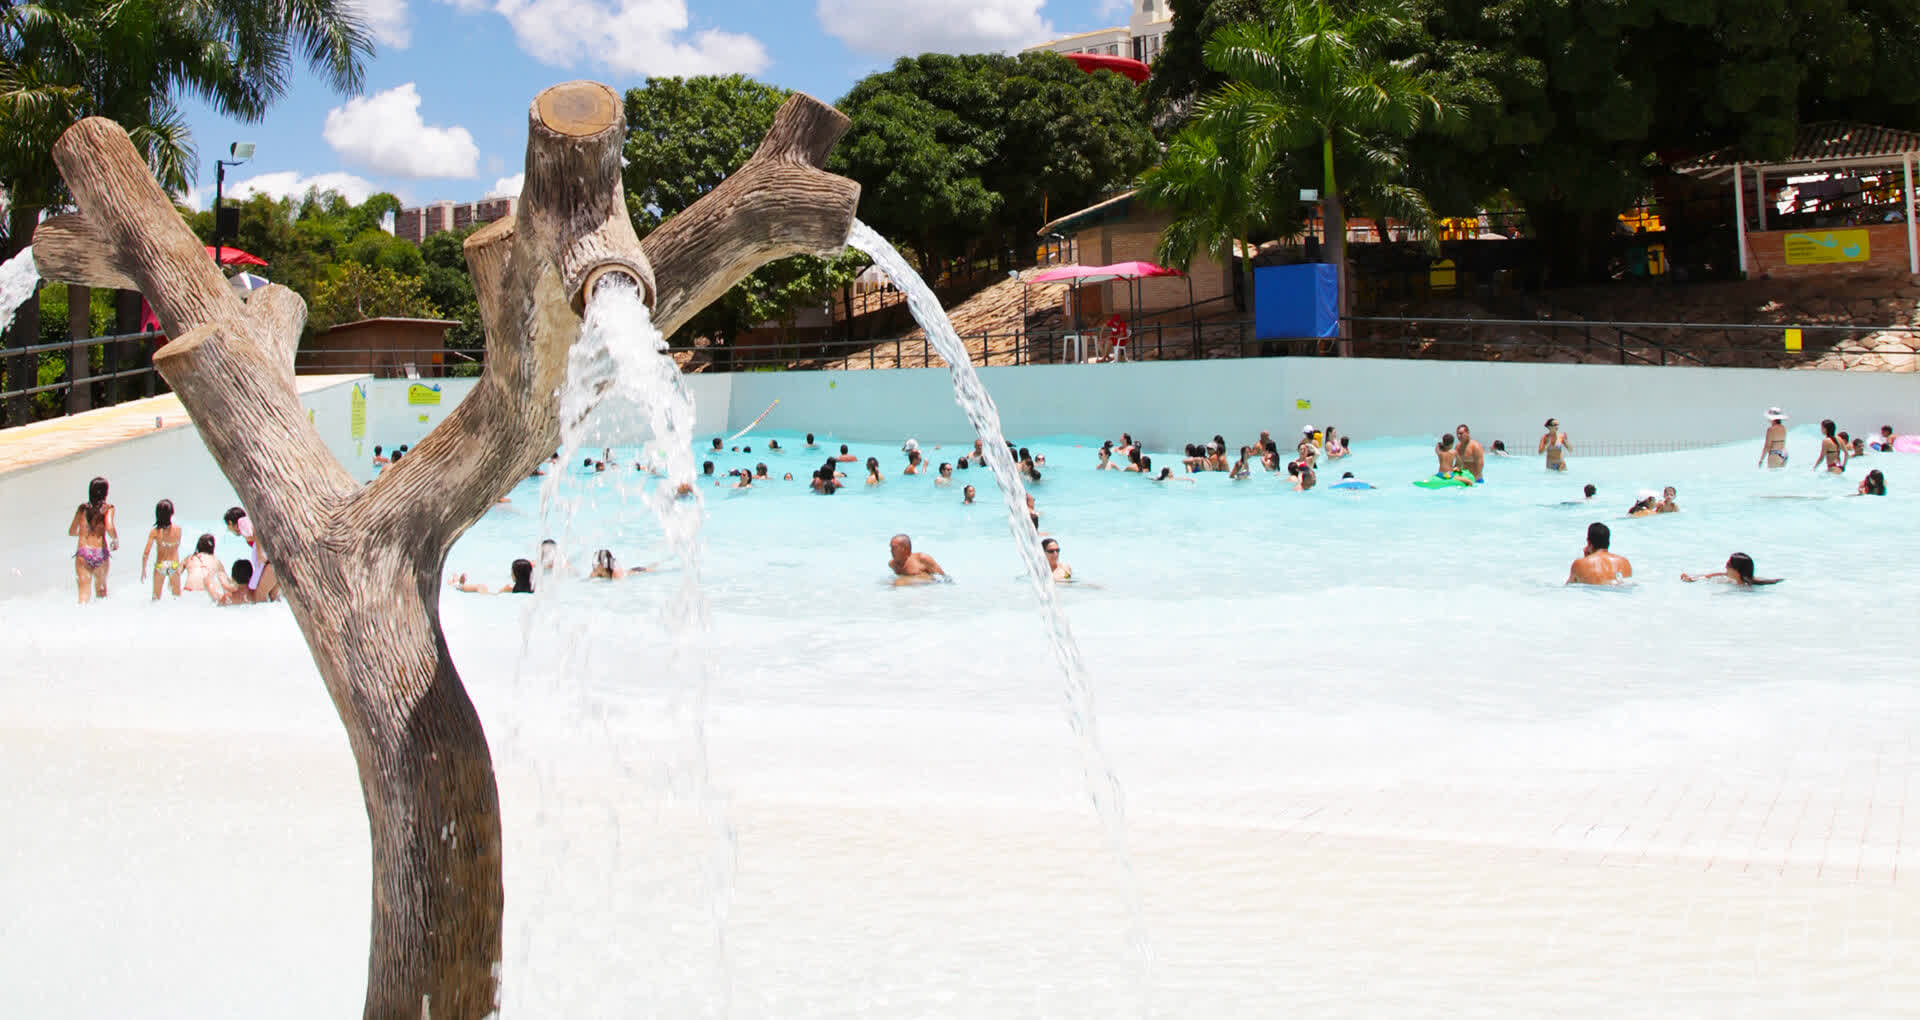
241 152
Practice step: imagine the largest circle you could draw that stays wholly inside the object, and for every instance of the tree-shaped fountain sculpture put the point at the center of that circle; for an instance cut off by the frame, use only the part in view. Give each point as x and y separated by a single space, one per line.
361 566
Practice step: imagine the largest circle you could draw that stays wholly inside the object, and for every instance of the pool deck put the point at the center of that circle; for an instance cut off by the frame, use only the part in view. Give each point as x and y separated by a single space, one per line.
45 441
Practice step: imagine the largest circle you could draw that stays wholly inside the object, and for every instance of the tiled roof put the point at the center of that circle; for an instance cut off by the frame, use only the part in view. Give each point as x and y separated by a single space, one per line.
1112 208
1820 142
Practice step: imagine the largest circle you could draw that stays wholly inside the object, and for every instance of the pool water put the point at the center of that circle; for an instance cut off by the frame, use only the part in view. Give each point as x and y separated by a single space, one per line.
1378 759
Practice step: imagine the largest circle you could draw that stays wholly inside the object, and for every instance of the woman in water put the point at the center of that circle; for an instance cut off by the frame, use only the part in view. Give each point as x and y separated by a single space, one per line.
1875 484
203 571
873 471
1739 572
1061 571
164 543
1554 444
1167 475
522 583
1646 506
262 583
1833 455
605 569
97 538
1773 449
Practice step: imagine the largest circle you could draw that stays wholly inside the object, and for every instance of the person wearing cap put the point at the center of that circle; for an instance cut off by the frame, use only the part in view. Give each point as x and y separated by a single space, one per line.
910 446
1599 564
1739 572
1773 452
1554 444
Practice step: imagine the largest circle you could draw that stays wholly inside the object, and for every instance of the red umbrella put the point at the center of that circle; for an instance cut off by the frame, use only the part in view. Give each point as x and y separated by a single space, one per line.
231 256
1124 66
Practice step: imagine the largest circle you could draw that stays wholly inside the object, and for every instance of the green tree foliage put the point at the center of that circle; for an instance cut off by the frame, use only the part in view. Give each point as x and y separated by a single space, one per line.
368 292
968 155
1596 98
685 136
1320 85
1180 75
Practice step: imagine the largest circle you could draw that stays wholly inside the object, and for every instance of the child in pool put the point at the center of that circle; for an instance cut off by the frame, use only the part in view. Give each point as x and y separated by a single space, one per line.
204 572
98 540
163 541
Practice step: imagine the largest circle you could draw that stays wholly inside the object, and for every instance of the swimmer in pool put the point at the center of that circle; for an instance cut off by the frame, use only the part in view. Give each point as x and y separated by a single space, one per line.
1347 481
163 543
605 569
1666 504
98 540
1599 564
204 572
810 445
1739 572
908 566
1473 456
1833 454
1773 449
522 583
966 496
914 465
945 477
1589 491
1443 452
845 457
1555 445
873 471
1875 484
1646 506
1061 571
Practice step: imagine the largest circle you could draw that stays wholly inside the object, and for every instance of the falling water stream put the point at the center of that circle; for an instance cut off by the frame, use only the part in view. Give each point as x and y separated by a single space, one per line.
618 370
1103 784
18 277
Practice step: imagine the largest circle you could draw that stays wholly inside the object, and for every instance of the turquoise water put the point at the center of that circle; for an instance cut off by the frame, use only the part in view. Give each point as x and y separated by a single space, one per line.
1378 759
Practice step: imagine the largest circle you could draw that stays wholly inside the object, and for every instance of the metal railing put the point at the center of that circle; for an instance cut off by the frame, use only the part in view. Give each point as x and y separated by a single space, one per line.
103 388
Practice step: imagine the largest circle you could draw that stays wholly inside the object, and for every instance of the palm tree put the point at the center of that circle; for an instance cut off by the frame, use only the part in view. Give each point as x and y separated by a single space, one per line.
1311 77
132 60
1206 180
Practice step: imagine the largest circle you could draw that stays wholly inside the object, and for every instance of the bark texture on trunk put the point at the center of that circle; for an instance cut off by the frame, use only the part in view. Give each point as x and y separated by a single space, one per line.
361 565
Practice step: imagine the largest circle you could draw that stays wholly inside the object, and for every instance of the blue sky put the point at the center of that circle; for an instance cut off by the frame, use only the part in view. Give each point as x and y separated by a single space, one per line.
443 115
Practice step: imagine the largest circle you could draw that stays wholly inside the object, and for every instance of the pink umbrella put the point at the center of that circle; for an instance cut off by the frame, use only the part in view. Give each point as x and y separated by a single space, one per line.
1129 271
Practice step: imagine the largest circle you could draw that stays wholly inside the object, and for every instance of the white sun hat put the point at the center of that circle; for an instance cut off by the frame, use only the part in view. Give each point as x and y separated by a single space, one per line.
911 444
1775 414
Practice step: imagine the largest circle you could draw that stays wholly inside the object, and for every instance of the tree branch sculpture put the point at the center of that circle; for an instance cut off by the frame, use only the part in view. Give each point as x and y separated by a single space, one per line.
361 566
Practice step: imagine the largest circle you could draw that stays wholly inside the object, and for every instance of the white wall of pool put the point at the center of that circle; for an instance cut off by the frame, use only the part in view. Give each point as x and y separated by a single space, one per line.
1378 761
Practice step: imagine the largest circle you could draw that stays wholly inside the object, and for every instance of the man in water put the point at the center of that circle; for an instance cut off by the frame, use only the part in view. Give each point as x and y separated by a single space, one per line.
907 564
1473 456
1599 565
810 441
845 457
945 477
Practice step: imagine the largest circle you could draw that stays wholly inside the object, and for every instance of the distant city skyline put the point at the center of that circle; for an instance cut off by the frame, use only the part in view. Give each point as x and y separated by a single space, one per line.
443 115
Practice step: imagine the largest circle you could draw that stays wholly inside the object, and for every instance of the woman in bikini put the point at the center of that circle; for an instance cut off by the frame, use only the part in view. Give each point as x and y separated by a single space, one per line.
522 583
1833 454
1773 450
203 571
1554 444
164 543
98 540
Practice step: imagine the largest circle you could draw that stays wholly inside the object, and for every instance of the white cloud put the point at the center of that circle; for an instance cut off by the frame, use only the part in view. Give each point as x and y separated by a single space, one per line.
888 28
291 184
640 37
387 20
506 186
384 133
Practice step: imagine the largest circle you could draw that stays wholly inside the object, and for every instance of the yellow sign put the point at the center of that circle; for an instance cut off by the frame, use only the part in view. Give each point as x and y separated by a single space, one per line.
1793 339
1303 405
1821 247
357 412
421 395
423 419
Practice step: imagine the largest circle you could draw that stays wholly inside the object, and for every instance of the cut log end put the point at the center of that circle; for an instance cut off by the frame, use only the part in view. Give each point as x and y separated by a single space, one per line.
578 109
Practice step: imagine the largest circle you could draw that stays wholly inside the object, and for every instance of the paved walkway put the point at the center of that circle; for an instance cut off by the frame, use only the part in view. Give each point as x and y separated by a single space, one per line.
43 441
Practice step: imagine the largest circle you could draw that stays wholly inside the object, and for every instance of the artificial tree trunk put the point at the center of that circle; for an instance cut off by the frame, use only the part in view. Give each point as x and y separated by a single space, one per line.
361 566
23 370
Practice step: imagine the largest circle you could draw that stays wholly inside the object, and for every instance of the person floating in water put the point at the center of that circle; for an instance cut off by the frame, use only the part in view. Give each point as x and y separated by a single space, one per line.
1739 572
1599 564
1773 448
910 567
163 542
1555 445
98 540
605 569
522 583
1445 456
1062 572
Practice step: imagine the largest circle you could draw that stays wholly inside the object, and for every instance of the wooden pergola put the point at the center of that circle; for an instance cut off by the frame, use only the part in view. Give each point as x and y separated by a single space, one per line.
1820 147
